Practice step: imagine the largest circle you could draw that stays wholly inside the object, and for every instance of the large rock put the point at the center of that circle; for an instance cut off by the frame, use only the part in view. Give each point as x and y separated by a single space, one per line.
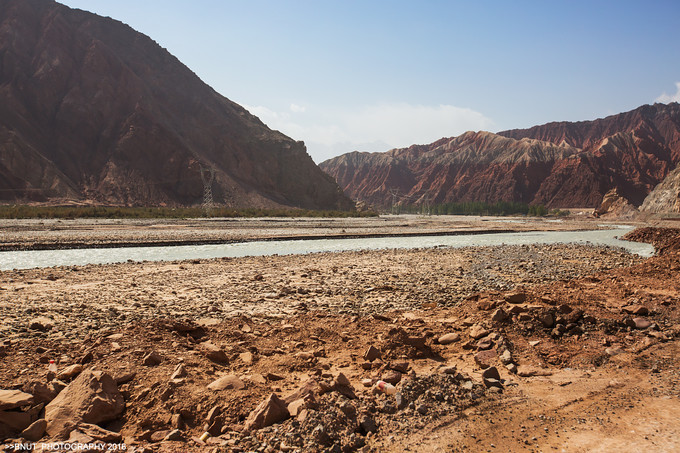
11 399
270 411
92 397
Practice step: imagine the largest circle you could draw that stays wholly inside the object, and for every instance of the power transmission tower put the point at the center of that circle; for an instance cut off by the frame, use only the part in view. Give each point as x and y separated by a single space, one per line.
395 197
208 176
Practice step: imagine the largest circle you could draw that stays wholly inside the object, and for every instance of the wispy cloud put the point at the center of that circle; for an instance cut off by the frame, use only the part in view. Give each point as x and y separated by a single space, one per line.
666 98
371 128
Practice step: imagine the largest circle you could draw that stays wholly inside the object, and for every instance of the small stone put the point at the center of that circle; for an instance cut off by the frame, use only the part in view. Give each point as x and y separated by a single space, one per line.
174 435
176 421
401 367
152 359
422 409
214 353
392 377
246 357
159 436
400 400
450 370
614 350
70 372
229 381
449 338
484 344
564 309
368 424
320 436
547 319
271 410
641 323
367 382
506 357
526 371
41 324
511 367
499 315
372 354
273 377
637 310
492 373
180 372
485 359
478 332
515 298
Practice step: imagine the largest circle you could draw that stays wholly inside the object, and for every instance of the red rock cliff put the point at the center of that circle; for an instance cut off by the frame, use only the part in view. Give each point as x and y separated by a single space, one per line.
558 164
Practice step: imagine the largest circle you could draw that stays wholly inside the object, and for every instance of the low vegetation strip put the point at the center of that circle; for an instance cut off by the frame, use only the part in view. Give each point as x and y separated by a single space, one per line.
117 212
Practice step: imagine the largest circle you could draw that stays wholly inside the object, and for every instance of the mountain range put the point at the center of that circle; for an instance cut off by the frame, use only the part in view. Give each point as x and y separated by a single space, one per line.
93 111
561 164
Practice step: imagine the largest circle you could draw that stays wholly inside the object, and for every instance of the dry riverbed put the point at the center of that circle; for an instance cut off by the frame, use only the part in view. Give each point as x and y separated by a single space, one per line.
512 348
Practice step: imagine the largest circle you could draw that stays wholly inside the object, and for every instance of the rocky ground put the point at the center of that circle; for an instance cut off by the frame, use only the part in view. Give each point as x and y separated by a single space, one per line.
517 348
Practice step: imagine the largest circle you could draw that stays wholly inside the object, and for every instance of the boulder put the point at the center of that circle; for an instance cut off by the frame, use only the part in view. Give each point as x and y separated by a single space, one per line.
92 397
16 420
36 431
11 399
270 411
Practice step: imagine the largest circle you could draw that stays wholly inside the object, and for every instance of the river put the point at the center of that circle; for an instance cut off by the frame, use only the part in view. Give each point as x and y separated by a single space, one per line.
71 257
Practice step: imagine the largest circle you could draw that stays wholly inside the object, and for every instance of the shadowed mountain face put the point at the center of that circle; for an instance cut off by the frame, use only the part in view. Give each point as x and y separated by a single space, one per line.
557 164
92 110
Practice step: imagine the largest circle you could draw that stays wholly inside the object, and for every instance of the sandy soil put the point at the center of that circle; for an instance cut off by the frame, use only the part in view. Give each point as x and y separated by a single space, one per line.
579 369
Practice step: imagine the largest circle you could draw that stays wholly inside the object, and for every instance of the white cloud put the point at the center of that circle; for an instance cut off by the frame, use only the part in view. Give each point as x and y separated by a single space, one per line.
371 128
667 98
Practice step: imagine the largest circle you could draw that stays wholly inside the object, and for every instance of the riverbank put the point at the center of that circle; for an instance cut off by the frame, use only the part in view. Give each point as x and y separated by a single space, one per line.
584 339
56 234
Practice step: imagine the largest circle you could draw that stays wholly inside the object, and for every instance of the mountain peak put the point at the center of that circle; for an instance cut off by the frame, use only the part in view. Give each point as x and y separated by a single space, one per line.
92 110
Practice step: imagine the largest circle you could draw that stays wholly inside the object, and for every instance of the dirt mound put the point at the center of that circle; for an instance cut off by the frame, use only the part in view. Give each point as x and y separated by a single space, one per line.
665 240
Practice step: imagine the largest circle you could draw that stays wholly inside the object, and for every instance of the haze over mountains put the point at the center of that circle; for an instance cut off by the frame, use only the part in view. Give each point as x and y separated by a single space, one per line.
91 110
557 164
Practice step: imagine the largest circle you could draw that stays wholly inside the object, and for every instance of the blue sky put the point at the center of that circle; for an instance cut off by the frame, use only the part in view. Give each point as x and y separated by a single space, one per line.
373 75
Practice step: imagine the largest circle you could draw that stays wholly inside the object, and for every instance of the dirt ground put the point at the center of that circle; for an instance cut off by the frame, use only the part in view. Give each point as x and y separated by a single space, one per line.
585 341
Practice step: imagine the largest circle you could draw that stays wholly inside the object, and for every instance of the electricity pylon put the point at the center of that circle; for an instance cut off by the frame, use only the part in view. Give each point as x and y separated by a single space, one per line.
208 176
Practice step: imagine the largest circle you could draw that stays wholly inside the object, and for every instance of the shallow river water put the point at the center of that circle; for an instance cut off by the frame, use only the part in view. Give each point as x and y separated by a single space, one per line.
71 257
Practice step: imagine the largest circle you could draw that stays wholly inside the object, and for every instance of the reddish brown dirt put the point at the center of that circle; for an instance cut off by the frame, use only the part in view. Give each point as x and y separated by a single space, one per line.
601 386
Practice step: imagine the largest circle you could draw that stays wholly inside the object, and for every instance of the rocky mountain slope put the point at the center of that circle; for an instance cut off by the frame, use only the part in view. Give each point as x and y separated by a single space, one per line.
665 198
557 164
92 110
